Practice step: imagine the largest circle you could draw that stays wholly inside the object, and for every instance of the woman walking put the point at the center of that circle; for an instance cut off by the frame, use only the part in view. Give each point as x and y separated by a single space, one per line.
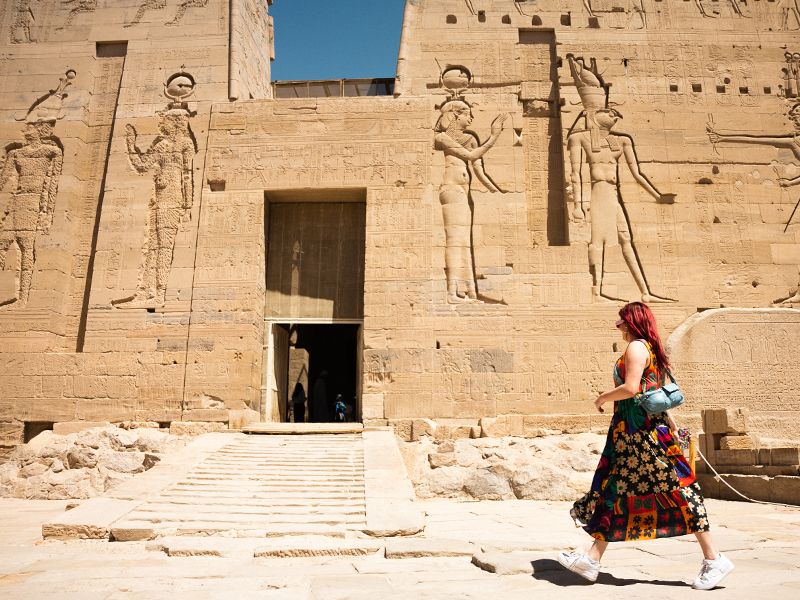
643 487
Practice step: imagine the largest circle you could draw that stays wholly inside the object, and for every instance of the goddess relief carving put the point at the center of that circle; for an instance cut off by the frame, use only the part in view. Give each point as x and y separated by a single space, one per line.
32 169
463 155
169 161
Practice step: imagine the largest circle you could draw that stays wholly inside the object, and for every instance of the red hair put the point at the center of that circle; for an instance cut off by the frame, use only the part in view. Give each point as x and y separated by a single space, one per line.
642 324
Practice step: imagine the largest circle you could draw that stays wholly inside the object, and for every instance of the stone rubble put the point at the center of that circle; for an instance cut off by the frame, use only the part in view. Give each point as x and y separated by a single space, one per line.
83 464
551 467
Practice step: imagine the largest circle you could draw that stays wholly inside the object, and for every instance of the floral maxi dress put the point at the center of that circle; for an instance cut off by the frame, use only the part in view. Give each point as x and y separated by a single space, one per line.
643 487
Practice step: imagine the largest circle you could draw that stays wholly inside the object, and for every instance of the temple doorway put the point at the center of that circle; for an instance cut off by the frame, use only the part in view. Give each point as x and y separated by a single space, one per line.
317 365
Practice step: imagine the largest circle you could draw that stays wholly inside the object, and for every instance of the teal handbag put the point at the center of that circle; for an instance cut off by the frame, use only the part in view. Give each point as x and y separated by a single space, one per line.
661 399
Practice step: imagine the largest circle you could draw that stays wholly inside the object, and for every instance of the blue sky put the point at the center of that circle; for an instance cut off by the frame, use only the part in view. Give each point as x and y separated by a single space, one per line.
336 39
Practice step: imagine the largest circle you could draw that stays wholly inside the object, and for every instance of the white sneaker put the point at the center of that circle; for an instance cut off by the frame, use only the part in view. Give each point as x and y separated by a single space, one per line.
579 563
712 572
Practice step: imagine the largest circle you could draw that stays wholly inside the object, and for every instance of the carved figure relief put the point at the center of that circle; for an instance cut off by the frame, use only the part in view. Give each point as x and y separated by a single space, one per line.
22 21
145 6
169 161
791 75
603 150
463 155
32 170
78 7
789 141
183 7
790 14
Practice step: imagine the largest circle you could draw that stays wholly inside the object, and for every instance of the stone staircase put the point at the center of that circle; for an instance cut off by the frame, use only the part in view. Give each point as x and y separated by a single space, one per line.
262 485
300 494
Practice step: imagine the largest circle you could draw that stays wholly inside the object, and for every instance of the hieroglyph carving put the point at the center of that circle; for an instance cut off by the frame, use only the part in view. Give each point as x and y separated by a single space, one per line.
78 7
603 150
33 169
786 178
463 156
169 160
22 21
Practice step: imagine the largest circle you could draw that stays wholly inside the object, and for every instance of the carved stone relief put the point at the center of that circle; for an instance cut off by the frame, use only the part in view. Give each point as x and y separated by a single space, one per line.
32 168
463 155
23 19
77 7
183 7
603 150
790 15
145 6
169 161
785 172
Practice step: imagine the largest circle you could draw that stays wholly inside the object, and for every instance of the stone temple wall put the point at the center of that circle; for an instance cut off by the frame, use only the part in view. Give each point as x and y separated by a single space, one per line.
540 163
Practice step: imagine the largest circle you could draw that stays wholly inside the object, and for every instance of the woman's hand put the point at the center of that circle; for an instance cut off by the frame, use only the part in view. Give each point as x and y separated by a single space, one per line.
599 403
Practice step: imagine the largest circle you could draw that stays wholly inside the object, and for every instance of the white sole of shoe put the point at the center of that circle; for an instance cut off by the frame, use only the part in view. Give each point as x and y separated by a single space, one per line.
568 567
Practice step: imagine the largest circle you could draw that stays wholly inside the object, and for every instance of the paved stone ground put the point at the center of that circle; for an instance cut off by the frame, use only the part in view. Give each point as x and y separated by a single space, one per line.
519 538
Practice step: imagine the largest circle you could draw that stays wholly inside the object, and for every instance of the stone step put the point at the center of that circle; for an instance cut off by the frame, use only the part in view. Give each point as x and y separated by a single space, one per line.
258 508
271 491
303 428
129 530
233 517
298 498
211 498
306 546
315 481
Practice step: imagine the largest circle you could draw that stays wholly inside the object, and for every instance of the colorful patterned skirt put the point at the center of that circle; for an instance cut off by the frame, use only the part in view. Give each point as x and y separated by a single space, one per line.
643 487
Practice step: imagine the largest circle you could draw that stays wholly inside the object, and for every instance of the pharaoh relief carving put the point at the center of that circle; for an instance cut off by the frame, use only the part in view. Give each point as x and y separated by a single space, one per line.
463 156
603 150
31 171
168 161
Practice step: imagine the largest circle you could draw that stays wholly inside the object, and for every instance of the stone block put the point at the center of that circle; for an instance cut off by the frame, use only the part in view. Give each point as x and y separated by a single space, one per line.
402 428
752 486
207 414
195 428
242 417
726 421
784 456
67 427
441 459
92 519
738 442
503 425
785 489
736 457
705 443
421 428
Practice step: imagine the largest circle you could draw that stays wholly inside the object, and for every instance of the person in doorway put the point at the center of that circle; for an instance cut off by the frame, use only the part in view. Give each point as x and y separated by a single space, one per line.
643 487
299 403
318 409
339 408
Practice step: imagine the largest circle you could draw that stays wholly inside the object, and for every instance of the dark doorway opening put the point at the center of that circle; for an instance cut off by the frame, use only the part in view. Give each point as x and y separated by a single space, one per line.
323 358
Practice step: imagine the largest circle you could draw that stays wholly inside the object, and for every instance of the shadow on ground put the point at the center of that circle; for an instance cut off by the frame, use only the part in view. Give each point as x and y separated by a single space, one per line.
547 569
